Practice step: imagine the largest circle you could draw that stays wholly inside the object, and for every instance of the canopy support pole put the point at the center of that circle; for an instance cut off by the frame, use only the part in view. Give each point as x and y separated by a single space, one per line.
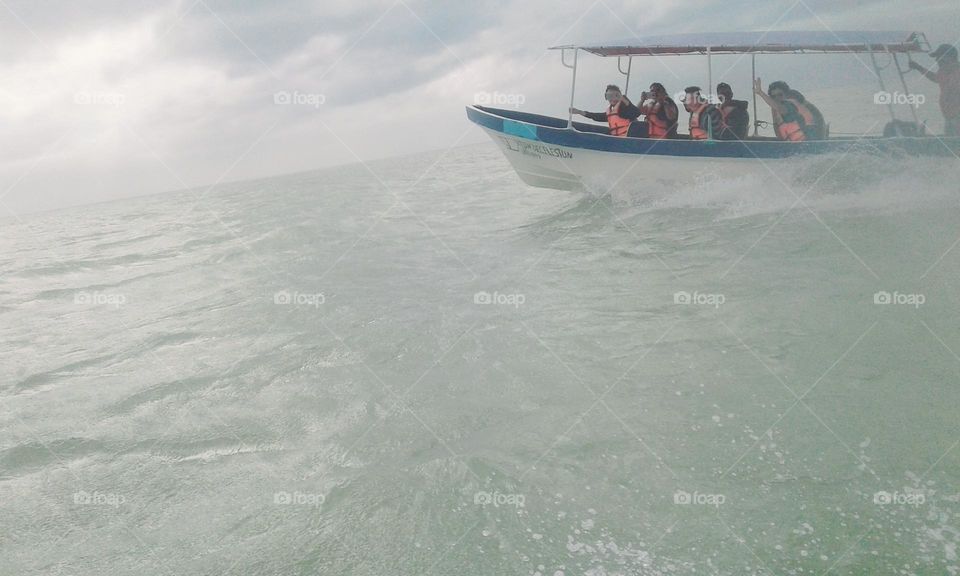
883 86
903 81
573 83
626 87
709 76
756 114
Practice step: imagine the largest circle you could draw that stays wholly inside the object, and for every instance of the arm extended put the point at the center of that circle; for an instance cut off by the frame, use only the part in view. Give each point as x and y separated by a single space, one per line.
777 107
927 73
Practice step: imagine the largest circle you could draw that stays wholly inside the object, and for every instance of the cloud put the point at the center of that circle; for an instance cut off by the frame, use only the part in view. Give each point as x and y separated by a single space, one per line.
107 98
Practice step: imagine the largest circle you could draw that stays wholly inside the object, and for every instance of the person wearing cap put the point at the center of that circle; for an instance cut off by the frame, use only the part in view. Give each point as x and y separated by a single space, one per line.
947 77
705 119
620 113
661 112
794 119
736 118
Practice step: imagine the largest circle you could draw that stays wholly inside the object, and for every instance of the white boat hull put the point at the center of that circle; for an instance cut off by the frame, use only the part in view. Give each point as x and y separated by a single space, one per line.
578 169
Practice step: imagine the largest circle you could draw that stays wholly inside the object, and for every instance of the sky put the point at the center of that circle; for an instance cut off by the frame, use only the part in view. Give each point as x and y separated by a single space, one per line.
105 99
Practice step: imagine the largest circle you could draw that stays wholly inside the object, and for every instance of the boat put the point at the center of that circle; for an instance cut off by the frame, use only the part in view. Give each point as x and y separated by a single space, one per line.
559 153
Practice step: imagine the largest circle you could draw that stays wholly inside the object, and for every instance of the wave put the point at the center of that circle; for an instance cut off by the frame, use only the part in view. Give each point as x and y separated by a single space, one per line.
853 182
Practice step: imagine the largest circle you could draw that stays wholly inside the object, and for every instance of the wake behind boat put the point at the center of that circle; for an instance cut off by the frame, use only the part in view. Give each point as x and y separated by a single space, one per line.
558 153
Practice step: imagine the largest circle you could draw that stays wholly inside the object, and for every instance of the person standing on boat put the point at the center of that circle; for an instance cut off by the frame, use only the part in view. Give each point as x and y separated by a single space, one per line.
948 77
706 123
794 119
661 112
620 113
736 118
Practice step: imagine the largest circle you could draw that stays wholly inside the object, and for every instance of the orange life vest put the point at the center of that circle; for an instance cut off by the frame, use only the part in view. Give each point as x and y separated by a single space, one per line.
697 131
794 130
619 126
660 124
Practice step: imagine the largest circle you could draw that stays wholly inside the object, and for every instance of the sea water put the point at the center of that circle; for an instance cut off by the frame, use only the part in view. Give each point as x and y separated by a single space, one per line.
422 366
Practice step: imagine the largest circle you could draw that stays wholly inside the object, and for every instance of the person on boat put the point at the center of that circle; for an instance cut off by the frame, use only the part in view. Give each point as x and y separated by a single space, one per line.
661 112
794 118
620 113
821 131
736 118
706 121
948 77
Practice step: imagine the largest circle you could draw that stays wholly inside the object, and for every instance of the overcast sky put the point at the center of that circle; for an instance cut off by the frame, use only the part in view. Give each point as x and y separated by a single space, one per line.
103 99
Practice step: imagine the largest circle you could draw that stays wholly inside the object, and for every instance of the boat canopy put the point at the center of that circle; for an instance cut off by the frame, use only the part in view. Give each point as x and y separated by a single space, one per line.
821 42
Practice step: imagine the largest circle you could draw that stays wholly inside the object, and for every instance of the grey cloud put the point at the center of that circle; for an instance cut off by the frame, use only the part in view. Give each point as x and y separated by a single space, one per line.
203 93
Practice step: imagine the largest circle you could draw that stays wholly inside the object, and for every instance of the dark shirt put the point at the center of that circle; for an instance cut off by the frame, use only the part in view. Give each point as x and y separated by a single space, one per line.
626 110
948 77
819 130
736 121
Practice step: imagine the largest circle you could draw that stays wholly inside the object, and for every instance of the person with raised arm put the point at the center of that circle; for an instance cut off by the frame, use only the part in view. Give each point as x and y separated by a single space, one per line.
794 119
947 77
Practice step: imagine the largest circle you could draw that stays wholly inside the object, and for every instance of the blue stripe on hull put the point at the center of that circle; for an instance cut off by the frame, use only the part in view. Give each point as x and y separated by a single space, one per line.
591 137
520 129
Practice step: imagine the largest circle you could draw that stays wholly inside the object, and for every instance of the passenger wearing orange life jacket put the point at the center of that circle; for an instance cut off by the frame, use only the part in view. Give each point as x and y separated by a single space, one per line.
705 119
620 113
795 119
661 112
819 127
